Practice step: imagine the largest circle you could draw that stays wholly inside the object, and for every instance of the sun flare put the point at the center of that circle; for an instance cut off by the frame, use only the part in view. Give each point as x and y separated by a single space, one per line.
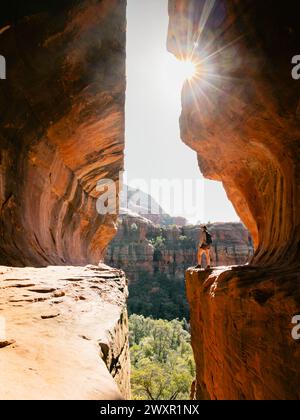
188 69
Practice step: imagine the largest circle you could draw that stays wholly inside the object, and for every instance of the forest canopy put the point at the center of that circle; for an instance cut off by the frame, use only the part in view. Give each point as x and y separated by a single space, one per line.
161 359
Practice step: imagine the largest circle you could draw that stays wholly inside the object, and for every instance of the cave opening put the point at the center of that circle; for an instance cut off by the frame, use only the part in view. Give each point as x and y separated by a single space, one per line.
155 152
153 148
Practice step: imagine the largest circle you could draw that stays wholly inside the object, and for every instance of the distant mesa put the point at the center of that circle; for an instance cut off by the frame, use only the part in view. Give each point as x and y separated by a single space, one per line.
137 202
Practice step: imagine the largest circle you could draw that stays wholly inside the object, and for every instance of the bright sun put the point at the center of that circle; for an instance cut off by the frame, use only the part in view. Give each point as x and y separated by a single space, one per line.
180 70
187 69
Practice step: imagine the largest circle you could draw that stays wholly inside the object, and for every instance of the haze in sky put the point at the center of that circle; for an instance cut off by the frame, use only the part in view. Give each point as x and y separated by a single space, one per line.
154 149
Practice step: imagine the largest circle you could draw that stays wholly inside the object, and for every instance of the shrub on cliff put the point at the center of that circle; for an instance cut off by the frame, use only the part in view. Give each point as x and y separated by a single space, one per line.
158 243
186 243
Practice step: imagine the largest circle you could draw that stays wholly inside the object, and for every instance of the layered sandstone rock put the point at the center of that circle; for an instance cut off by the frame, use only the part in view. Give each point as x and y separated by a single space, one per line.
131 247
241 324
64 333
241 116
232 243
137 247
62 128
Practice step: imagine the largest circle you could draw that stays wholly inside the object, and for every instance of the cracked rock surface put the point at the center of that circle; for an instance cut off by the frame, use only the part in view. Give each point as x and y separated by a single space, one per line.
64 333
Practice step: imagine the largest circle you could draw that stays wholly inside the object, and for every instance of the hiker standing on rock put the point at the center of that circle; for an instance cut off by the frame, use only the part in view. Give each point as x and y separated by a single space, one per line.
205 242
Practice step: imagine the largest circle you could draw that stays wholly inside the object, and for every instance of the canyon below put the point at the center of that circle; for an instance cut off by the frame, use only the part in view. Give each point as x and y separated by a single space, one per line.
63 289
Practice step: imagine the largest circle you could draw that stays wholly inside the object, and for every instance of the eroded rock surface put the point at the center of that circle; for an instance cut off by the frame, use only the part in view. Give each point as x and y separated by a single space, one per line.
62 128
64 333
241 323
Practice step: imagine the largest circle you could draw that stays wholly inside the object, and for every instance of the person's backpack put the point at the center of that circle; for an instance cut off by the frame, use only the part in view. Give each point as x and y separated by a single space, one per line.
208 238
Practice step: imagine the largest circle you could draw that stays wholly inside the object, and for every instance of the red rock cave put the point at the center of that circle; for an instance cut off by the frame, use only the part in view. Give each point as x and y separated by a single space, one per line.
62 129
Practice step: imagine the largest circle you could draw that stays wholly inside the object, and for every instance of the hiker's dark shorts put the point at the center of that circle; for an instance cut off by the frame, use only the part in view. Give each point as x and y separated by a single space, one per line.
204 247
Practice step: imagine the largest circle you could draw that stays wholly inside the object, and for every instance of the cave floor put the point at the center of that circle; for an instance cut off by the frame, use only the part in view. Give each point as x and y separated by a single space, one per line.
52 322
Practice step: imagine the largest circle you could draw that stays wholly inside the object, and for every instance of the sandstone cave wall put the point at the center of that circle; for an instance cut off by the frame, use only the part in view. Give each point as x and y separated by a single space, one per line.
241 328
62 127
241 116
244 109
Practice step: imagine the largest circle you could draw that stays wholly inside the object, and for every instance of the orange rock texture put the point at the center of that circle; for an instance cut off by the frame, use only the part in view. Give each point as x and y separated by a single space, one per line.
241 324
64 333
241 115
62 128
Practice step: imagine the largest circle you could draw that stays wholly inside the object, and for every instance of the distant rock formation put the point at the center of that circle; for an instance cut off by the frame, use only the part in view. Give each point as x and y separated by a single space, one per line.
142 246
136 201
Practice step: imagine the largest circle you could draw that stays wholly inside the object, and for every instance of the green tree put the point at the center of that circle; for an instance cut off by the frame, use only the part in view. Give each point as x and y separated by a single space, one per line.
158 296
159 243
162 361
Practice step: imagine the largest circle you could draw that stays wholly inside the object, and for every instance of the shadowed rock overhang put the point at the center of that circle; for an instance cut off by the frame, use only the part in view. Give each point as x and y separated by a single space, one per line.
62 127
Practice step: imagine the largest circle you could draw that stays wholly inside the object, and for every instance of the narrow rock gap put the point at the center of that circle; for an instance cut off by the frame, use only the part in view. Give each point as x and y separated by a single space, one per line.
155 248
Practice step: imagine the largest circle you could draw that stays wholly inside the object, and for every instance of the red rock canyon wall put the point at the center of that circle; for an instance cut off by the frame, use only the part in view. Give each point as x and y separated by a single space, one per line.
244 110
241 116
62 127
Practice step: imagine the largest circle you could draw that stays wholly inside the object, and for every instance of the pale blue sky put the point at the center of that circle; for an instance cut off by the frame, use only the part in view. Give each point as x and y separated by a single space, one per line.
153 106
